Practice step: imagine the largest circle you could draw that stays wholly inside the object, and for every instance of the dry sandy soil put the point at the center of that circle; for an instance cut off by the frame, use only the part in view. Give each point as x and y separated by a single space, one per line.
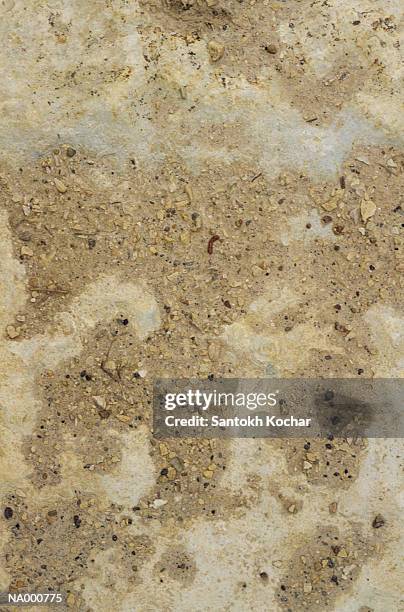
132 134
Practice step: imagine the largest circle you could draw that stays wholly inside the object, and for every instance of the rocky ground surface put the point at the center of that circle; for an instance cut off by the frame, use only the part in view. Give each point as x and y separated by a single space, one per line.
196 188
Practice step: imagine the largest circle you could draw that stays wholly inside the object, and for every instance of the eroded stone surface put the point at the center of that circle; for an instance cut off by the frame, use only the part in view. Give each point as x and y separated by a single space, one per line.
131 135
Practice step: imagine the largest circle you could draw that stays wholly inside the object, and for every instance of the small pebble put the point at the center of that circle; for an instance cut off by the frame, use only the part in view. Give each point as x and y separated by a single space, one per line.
177 464
158 503
272 49
60 186
26 252
378 521
76 521
70 600
216 50
171 473
368 209
12 332
8 513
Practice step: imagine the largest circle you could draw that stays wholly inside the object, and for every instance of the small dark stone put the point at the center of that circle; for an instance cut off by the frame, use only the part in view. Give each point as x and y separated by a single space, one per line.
77 521
378 521
272 49
329 395
341 328
164 472
264 576
91 243
70 152
84 374
8 512
114 537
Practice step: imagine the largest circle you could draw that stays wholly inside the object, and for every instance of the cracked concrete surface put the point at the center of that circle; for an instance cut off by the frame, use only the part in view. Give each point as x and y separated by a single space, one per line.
125 148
